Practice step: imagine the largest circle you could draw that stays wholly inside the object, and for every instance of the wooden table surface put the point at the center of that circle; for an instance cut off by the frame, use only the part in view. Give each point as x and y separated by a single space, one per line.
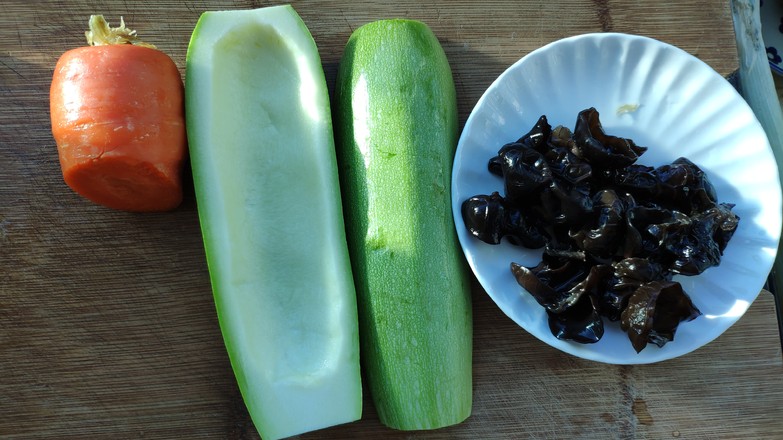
107 324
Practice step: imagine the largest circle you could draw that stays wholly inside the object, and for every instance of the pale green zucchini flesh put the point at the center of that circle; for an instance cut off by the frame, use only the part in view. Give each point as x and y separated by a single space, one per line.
265 175
396 130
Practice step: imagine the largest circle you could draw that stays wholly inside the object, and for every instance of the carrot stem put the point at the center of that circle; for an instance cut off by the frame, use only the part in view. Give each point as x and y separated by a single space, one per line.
101 34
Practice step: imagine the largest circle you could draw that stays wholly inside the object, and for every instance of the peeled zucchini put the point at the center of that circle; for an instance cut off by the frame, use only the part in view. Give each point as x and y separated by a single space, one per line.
265 175
396 129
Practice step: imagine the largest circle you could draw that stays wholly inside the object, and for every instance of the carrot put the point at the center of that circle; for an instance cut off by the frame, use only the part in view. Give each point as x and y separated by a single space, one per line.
117 113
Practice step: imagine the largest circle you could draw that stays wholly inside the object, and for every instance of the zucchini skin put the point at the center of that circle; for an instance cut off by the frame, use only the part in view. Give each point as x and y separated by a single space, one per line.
396 130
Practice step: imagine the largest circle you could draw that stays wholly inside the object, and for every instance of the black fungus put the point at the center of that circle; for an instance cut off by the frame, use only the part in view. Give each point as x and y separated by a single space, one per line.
654 311
567 288
533 139
563 203
628 275
684 187
554 283
487 218
723 223
483 217
602 235
580 323
614 231
525 173
655 227
600 149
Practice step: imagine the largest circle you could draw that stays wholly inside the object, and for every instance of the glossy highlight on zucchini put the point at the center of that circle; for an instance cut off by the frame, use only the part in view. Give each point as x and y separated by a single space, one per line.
396 131
265 175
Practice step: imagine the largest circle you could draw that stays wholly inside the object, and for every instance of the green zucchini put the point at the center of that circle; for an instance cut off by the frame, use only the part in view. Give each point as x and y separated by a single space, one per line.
265 175
396 130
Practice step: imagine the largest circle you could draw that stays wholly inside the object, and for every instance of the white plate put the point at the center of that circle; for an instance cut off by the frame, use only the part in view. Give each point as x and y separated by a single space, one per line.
685 109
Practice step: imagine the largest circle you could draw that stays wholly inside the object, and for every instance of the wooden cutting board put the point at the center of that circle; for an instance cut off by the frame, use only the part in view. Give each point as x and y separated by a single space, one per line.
107 325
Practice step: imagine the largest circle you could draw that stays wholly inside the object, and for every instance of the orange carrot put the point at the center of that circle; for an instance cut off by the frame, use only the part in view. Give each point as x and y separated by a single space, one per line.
117 113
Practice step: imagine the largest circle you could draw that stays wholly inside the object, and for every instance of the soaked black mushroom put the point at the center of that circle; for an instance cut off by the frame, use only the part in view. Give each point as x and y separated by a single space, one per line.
627 276
483 217
555 283
723 222
489 219
567 289
533 139
655 226
525 173
693 248
603 234
636 180
580 323
566 204
654 311
538 135
614 231
684 187
599 148
522 230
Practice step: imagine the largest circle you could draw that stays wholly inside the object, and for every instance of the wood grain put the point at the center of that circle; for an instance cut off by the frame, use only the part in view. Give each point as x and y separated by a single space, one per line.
107 325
